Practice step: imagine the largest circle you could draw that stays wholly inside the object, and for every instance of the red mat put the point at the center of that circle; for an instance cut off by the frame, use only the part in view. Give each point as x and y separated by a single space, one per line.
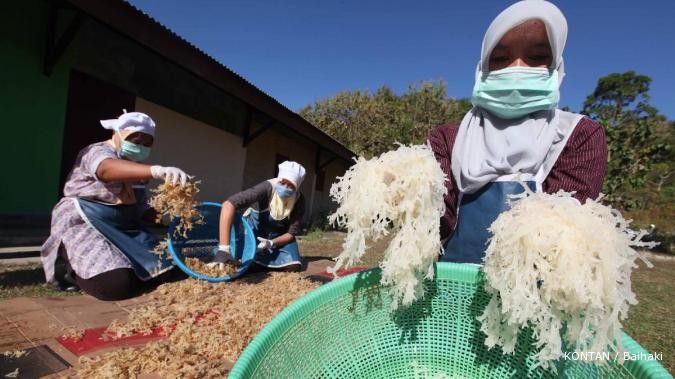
343 272
93 339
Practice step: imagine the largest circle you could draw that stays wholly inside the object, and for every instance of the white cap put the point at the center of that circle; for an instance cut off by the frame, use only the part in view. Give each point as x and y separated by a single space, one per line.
293 172
133 122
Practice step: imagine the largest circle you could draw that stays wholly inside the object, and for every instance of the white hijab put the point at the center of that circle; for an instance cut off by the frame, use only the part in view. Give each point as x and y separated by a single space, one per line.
488 147
281 208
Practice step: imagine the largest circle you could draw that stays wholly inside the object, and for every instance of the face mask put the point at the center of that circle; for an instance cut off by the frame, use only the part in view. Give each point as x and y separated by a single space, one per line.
515 92
134 152
283 191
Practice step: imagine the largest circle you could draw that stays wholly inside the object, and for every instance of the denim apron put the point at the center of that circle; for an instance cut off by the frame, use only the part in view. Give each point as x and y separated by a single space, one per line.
120 224
478 210
265 226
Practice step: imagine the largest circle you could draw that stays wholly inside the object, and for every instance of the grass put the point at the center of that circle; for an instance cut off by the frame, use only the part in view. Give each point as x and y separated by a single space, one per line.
652 321
26 280
313 235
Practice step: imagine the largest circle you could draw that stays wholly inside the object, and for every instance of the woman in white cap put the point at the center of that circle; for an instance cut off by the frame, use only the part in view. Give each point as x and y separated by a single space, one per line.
515 133
96 241
274 209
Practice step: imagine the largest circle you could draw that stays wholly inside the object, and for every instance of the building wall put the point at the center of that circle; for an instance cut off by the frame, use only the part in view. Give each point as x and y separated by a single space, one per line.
323 205
218 159
261 154
33 111
260 159
212 155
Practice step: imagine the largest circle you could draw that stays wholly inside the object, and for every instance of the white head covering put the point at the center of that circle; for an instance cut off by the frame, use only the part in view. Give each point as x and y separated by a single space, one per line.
293 172
132 122
516 14
488 147
280 208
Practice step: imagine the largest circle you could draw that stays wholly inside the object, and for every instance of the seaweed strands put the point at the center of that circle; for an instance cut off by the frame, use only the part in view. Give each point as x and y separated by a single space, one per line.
72 333
15 353
201 267
207 325
399 192
177 202
559 267
162 249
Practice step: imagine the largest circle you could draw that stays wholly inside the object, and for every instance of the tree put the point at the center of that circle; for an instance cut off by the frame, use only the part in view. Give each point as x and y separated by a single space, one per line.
620 103
371 123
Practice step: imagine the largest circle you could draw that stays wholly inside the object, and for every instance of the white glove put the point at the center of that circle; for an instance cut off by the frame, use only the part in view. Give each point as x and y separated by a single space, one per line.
264 244
222 256
172 175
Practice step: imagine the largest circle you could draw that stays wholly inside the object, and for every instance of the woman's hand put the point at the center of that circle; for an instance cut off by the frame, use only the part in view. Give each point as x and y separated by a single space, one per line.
264 245
172 175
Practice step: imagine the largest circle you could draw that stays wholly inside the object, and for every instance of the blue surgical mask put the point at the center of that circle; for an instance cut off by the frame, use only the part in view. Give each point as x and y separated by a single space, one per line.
283 191
134 152
515 92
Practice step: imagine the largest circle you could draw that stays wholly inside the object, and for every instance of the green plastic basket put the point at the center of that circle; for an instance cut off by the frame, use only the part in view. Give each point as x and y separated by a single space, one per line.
344 329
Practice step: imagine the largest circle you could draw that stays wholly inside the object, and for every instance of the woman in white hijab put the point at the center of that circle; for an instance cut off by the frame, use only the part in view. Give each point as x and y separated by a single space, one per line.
515 133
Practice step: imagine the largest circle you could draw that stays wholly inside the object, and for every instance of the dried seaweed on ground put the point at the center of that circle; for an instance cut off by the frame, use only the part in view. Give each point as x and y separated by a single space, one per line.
206 324
15 353
72 333
199 266
177 201
162 249
561 268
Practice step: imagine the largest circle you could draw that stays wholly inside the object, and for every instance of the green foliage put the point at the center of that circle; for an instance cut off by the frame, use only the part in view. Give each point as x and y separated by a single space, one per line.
371 123
313 235
635 135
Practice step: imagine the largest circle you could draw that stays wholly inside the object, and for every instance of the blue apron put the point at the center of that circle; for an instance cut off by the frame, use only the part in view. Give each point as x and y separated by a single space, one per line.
265 226
120 224
477 211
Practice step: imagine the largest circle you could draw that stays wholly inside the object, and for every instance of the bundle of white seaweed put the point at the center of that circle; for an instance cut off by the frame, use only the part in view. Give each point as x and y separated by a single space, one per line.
552 262
401 192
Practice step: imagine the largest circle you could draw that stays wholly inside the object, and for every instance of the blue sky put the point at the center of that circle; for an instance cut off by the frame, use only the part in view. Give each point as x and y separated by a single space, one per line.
299 51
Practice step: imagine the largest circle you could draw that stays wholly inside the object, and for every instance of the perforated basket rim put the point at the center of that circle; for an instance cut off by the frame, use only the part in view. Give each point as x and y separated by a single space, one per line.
261 344
214 279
